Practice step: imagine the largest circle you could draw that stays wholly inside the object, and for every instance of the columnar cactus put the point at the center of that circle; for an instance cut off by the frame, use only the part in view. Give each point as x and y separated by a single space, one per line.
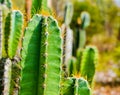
41 57
67 33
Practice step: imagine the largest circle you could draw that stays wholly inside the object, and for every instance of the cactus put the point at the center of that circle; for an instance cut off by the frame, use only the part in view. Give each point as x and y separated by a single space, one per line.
42 41
67 33
81 71
75 86
39 6
88 63
15 32
11 36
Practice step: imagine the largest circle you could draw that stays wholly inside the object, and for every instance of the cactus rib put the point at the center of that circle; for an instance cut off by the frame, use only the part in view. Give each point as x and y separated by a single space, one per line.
50 58
15 32
30 57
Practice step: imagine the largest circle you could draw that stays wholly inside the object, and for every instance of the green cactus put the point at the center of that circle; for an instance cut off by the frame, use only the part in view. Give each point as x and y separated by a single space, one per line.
75 86
50 58
30 57
71 67
88 63
41 41
15 32
39 6
68 14
85 18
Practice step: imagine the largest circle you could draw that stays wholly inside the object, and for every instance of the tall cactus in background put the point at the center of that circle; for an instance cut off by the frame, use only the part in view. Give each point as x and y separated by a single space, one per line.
80 74
80 34
67 33
85 18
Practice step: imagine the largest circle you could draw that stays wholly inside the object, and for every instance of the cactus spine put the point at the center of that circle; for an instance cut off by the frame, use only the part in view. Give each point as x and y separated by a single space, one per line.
67 33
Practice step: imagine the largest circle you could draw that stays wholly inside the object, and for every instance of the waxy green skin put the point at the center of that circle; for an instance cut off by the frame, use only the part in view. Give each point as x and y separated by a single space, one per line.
88 63
38 6
41 57
30 57
15 32
75 86
50 58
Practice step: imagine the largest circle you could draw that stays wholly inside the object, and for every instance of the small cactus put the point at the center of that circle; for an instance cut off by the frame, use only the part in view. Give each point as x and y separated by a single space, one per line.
88 63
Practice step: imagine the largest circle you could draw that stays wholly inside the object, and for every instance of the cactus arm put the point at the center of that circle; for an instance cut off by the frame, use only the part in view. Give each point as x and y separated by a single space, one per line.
68 14
50 58
82 38
6 36
79 58
85 17
15 32
71 67
30 57
38 6
83 87
88 63
68 86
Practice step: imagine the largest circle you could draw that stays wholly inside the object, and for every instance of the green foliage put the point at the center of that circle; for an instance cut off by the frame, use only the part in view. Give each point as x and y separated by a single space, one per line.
15 32
88 63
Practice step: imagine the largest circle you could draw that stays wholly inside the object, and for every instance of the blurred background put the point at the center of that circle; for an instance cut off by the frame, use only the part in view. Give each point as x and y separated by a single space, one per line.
103 32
